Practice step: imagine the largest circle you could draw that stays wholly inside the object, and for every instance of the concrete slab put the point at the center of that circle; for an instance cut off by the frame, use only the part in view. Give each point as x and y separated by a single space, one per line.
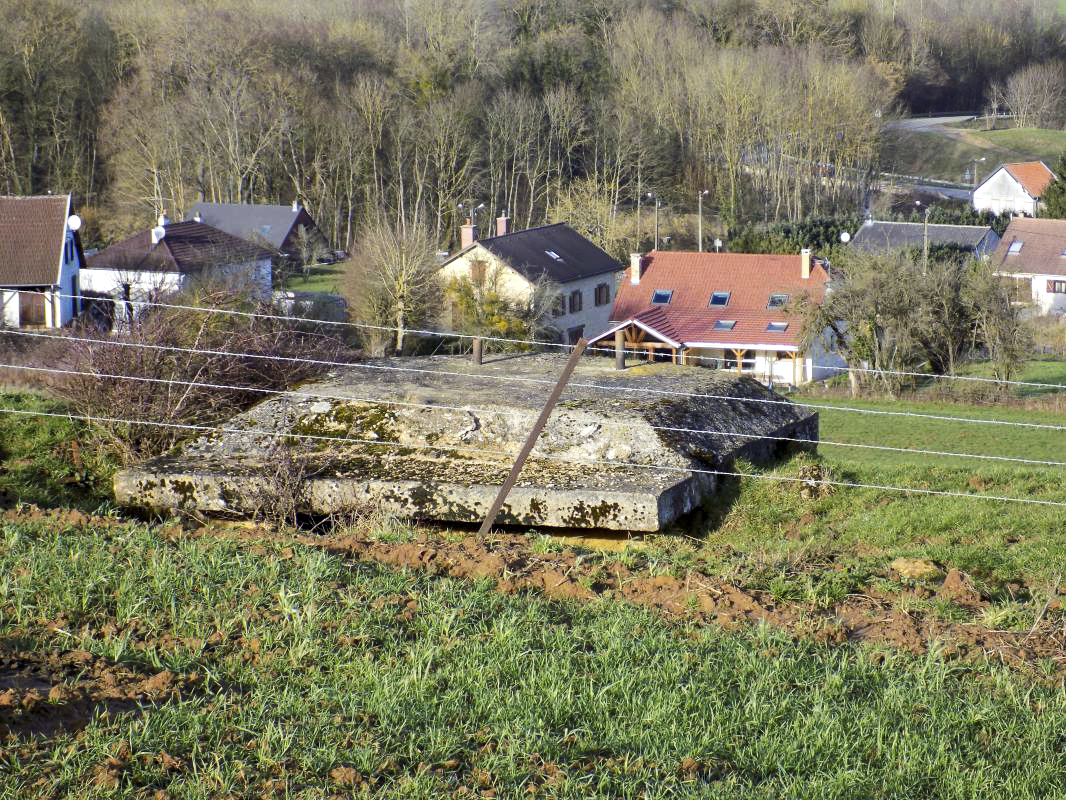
434 438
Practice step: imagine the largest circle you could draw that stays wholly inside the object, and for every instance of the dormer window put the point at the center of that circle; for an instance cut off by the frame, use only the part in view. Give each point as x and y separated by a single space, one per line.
725 324
719 298
662 297
1015 247
553 254
777 327
777 301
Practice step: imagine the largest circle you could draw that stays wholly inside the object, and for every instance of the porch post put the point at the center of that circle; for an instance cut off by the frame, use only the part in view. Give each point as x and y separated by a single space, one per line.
620 349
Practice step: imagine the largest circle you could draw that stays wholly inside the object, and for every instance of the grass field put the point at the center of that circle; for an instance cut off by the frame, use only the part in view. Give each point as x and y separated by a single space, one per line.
219 664
321 278
319 678
934 154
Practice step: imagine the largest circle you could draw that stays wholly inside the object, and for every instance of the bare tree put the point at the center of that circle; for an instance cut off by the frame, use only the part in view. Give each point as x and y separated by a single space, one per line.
393 281
1036 95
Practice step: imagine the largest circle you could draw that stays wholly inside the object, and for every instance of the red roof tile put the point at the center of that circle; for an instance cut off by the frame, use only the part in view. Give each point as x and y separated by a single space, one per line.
33 231
1034 176
692 277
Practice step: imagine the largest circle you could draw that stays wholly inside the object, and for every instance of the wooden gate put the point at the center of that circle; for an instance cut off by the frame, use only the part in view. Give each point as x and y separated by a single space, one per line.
31 308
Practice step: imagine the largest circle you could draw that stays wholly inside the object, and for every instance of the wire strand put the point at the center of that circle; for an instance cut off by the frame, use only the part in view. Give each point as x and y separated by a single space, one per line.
579 462
519 379
538 342
470 409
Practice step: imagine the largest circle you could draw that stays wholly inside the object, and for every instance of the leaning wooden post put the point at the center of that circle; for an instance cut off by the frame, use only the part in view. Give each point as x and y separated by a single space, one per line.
477 351
619 349
534 434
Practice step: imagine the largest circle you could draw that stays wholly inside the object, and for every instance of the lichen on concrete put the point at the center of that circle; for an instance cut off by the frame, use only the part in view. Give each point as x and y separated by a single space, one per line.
435 437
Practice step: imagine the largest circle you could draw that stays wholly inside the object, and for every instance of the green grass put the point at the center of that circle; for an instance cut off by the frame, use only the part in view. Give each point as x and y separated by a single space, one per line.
39 464
322 278
1052 371
933 154
477 691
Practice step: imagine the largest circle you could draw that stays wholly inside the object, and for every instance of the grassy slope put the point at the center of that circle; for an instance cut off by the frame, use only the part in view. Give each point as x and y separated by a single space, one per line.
935 155
474 689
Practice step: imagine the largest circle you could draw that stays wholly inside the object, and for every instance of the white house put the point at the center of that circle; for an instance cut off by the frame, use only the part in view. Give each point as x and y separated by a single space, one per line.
1032 255
40 259
582 273
1016 188
167 258
723 310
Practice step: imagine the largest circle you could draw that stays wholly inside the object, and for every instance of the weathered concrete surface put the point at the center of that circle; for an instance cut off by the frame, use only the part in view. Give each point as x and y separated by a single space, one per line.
442 443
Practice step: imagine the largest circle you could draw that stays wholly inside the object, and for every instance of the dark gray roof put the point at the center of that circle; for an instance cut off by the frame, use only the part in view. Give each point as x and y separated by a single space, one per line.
262 224
876 235
530 253
188 247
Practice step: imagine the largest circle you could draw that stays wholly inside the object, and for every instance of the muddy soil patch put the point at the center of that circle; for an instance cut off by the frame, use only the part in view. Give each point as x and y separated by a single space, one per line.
43 693
875 618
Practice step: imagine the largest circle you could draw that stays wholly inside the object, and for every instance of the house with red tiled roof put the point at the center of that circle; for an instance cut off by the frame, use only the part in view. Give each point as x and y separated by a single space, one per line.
1032 257
723 310
1016 188
40 261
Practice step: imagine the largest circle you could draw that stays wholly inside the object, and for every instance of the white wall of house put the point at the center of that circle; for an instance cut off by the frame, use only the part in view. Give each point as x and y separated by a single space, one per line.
776 364
60 301
512 285
1048 302
1001 192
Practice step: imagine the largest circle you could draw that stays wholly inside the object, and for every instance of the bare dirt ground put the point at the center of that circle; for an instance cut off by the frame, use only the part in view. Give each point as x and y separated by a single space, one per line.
508 560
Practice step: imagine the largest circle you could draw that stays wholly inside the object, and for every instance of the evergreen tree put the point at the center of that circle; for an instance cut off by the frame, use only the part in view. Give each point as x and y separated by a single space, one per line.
1053 203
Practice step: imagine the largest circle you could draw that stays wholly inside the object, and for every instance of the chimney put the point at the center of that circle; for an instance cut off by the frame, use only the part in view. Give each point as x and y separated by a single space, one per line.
295 205
636 264
467 234
805 263
503 224
163 220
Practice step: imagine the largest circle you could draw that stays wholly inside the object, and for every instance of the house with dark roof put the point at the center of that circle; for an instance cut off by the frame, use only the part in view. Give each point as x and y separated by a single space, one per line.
1016 188
517 263
880 236
723 310
1032 256
169 257
287 230
40 260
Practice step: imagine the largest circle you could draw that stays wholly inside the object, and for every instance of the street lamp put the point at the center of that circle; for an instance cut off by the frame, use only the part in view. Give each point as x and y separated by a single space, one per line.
975 161
925 236
699 203
656 199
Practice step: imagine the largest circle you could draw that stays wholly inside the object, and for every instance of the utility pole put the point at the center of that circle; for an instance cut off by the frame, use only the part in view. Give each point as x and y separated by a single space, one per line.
650 196
699 203
925 237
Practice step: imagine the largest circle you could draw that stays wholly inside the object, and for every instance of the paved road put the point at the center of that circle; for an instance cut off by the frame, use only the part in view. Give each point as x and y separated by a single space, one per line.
922 123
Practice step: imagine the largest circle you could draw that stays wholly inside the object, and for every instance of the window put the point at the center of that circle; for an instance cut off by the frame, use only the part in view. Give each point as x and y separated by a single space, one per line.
575 301
603 294
777 327
725 324
477 272
264 229
661 297
554 255
573 334
559 308
777 301
719 298
1056 287
1015 247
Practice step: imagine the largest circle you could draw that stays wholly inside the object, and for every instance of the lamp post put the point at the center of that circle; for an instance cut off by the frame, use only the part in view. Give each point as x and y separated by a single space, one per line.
975 161
699 224
925 236
656 199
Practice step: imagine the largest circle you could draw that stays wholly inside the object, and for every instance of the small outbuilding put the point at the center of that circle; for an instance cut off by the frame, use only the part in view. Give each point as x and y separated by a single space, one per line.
880 236
40 260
